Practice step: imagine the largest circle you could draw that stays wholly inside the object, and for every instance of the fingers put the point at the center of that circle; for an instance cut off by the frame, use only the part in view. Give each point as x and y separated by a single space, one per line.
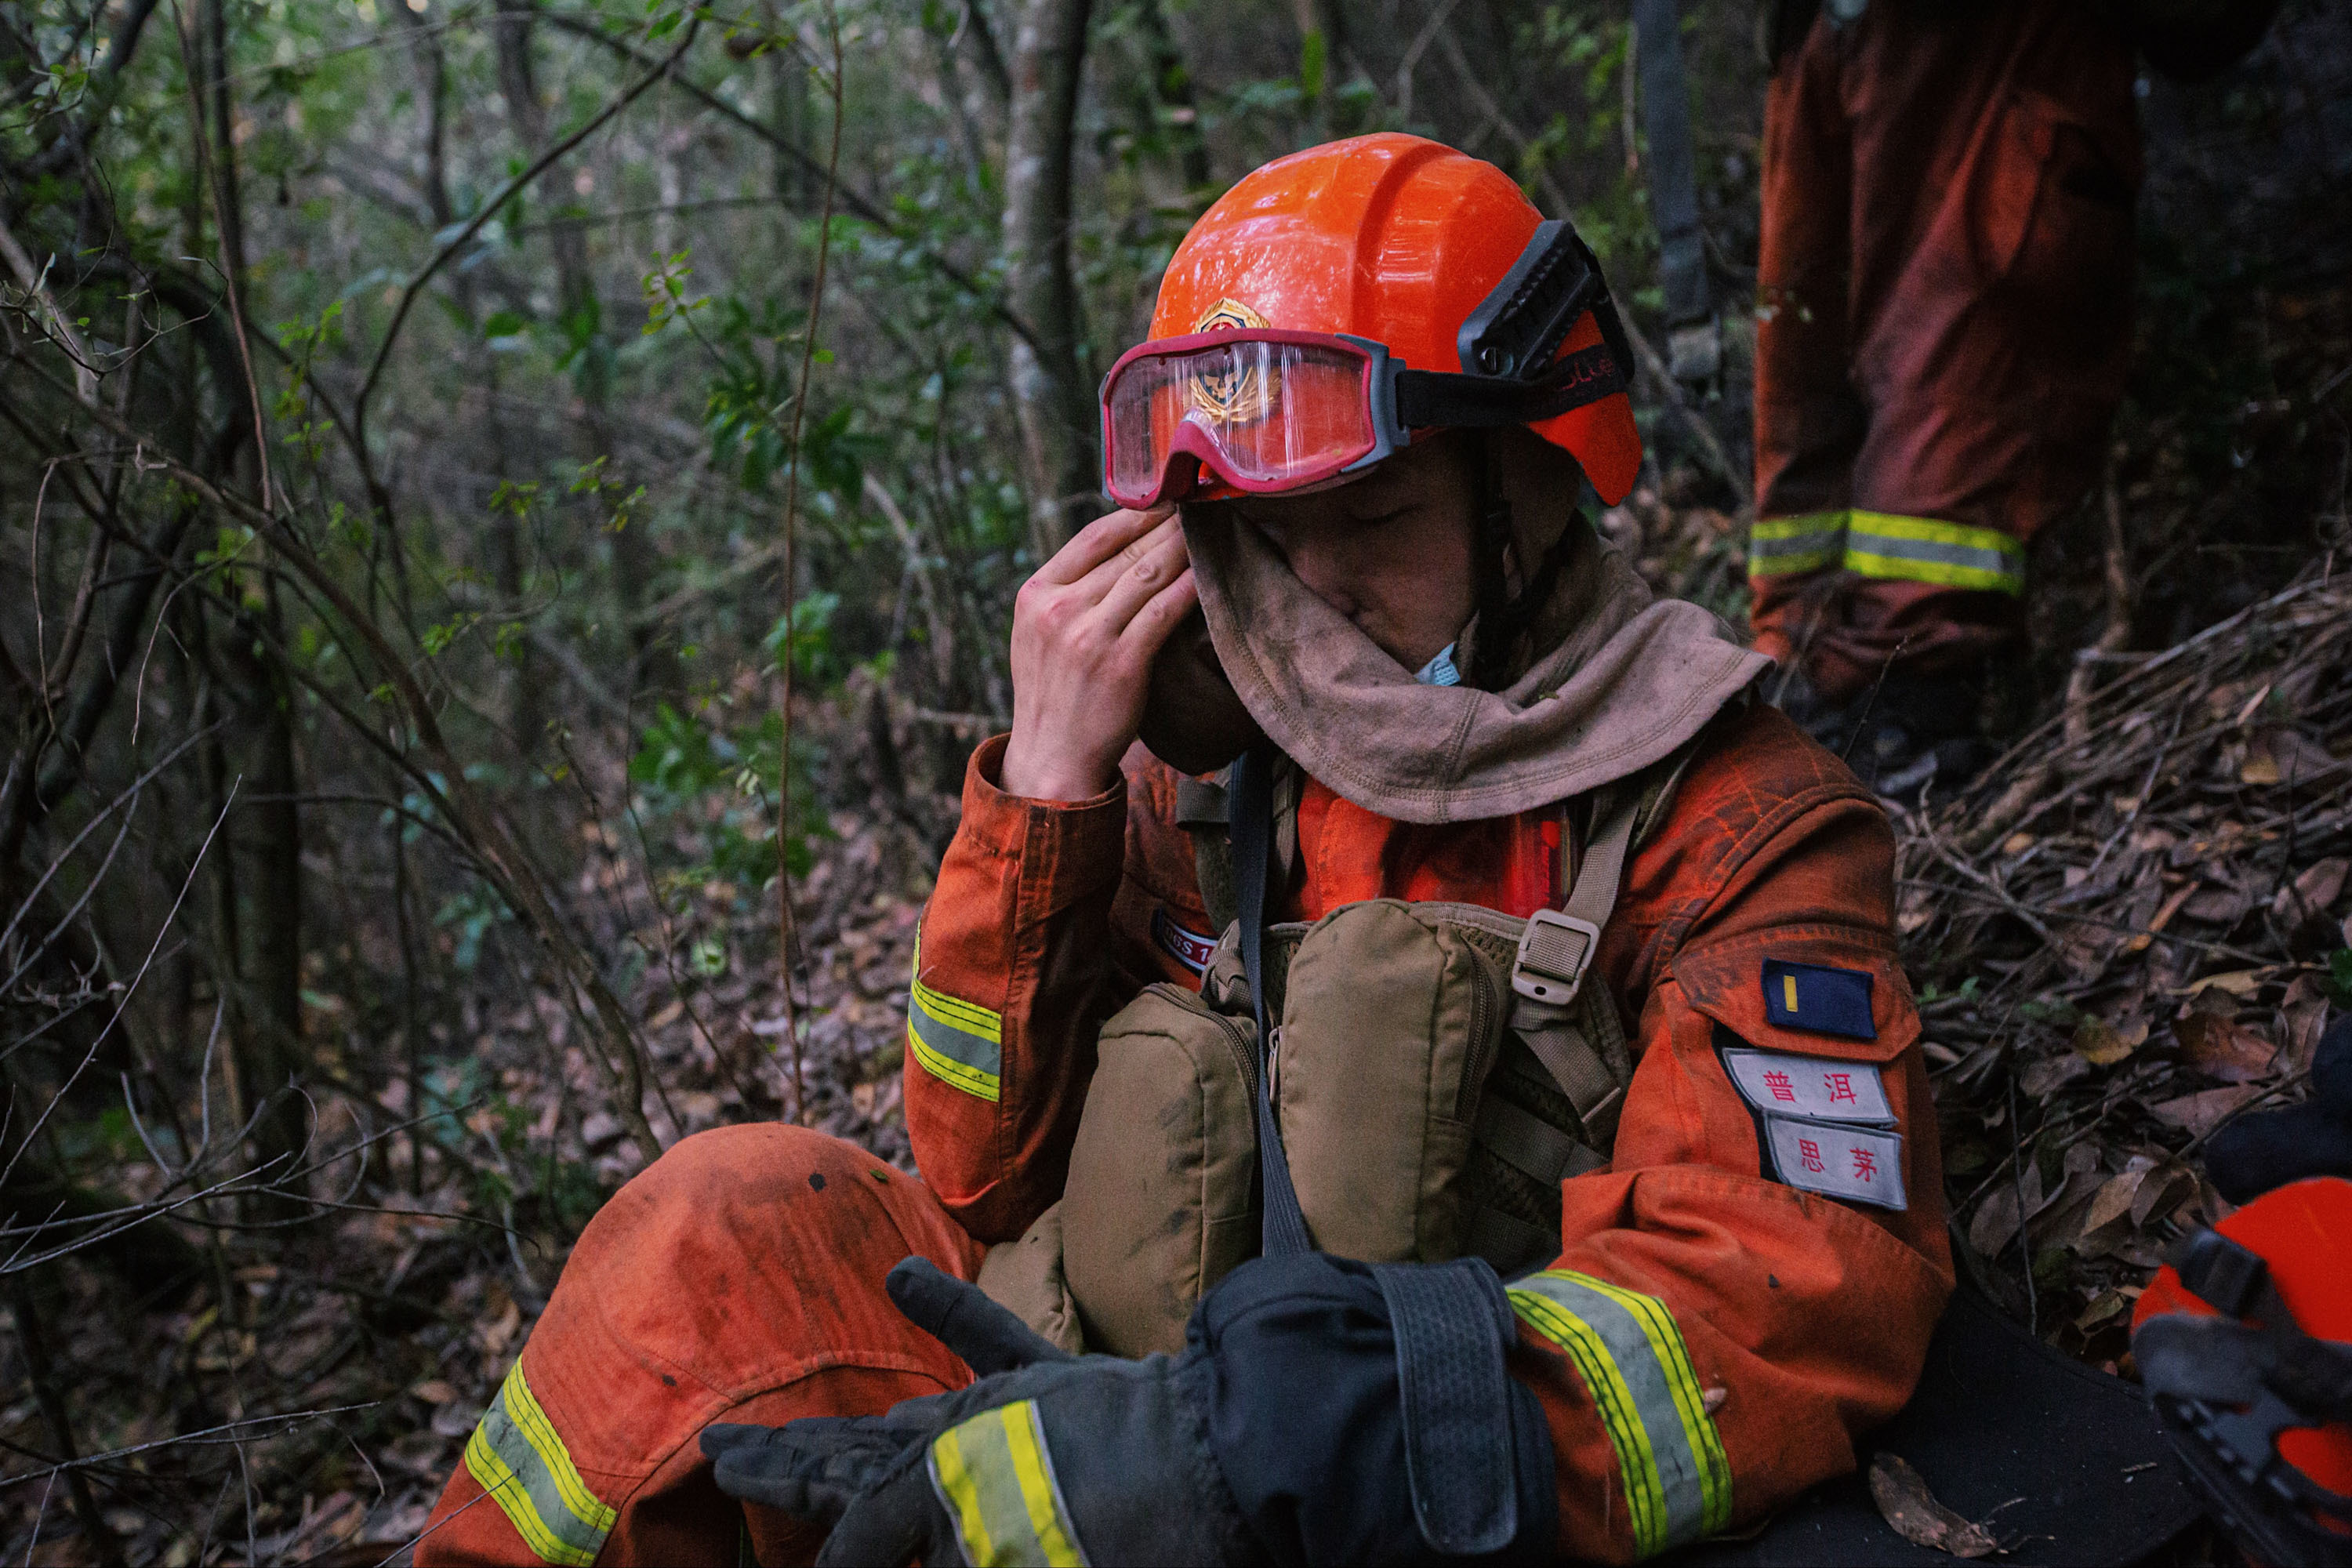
898 1522
1099 541
1127 580
988 1337
1156 620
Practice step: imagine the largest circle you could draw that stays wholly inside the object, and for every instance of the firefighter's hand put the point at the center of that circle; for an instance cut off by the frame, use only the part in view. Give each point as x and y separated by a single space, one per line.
1085 631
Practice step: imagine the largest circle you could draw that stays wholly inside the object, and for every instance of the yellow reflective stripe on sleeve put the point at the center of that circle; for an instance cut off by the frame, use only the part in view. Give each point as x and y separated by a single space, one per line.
1928 550
1645 1501
960 1043
1778 546
1633 1358
995 1476
522 1462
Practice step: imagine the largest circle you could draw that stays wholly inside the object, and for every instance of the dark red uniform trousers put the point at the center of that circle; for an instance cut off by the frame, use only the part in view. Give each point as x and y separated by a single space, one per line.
1944 322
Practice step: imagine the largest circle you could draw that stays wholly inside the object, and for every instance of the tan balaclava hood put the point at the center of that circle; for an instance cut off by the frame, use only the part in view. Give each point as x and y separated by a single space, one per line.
1620 679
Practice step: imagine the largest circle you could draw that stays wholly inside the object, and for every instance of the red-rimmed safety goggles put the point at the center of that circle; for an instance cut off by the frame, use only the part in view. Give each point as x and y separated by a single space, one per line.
1260 410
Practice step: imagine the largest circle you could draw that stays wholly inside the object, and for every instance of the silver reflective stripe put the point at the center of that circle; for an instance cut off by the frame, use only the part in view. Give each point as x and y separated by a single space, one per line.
1780 545
995 1477
957 1042
1631 1357
523 1463
1929 550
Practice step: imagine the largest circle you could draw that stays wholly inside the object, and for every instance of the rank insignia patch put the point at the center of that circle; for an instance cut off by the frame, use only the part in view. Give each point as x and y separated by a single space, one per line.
1818 998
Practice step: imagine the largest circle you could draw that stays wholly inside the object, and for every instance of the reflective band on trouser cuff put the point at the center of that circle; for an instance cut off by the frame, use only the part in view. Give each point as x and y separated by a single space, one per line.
1924 550
521 1461
995 1476
1630 1355
1778 546
959 1044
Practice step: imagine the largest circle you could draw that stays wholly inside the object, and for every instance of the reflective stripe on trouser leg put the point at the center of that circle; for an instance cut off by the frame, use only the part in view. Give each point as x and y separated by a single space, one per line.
1927 550
994 1475
1780 546
960 1043
1626 1347
522 1462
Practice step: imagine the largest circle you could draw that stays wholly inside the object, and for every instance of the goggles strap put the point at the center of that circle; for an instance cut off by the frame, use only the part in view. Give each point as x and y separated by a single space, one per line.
1431 397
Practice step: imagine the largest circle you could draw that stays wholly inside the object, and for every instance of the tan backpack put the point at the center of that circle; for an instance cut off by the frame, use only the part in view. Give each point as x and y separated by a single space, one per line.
1436 1070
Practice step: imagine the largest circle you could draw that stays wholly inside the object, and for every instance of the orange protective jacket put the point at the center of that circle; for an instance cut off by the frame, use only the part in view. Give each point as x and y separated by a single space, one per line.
1806 1318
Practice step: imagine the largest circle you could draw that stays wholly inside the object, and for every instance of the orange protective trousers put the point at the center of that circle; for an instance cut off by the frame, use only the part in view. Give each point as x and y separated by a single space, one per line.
1943 321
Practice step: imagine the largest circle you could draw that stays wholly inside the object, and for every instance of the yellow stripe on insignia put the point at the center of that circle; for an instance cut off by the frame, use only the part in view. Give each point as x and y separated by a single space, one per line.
1788 991
1929 550
960 1043
995 1475
1631 1356
523 1463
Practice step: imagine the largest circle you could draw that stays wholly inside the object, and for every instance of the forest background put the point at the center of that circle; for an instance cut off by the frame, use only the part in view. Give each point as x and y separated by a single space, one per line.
418 415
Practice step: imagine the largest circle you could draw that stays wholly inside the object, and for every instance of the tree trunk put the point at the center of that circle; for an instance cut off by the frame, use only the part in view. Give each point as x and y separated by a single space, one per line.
264 834
1052 389
1171 84
581 313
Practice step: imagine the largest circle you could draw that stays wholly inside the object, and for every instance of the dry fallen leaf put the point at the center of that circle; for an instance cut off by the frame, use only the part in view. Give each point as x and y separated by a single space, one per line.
2046 1077
2114 1200
1997 1216
1907 1504
2198 1115
2322 882
2222 1051
2162 1192
2221 906
2302 1015
434 1392
2103 1045
2236 982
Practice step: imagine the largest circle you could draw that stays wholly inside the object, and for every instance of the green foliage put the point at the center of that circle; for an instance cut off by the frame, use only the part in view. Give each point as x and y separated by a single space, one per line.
714 787
2340 977
465 918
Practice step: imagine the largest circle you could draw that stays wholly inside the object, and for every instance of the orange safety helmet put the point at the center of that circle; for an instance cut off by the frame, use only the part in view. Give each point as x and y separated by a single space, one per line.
2246 1344
1366 272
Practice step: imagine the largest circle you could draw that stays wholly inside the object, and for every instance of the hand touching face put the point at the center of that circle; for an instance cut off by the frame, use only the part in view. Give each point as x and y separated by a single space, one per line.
1085 631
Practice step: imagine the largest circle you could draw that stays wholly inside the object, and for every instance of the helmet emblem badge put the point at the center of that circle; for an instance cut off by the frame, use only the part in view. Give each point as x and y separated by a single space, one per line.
1233 387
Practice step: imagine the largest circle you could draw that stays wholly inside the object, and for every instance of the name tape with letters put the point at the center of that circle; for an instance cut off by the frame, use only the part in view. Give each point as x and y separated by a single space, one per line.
1809 1087
1850 1163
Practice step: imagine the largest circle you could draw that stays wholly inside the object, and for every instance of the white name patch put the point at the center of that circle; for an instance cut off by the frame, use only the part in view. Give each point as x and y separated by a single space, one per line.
1850 1162
1188 948
1809 1087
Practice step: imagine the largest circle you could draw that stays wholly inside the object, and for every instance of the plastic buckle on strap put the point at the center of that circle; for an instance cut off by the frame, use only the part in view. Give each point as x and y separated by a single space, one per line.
1555 950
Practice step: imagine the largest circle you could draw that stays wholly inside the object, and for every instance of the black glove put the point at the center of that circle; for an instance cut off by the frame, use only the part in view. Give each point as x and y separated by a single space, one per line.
1291 1429
2269 1149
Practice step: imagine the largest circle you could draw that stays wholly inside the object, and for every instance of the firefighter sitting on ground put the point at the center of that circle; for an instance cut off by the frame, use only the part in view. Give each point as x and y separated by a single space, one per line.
1519 943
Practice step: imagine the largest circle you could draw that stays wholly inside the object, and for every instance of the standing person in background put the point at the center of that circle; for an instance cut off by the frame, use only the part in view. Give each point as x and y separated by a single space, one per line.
1944 323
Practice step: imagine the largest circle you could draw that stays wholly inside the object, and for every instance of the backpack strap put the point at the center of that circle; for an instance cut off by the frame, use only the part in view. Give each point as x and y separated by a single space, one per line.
1550 1015
1205 809
1251 800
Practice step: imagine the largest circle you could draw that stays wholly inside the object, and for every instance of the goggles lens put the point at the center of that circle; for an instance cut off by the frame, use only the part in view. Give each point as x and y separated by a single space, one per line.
1260 413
